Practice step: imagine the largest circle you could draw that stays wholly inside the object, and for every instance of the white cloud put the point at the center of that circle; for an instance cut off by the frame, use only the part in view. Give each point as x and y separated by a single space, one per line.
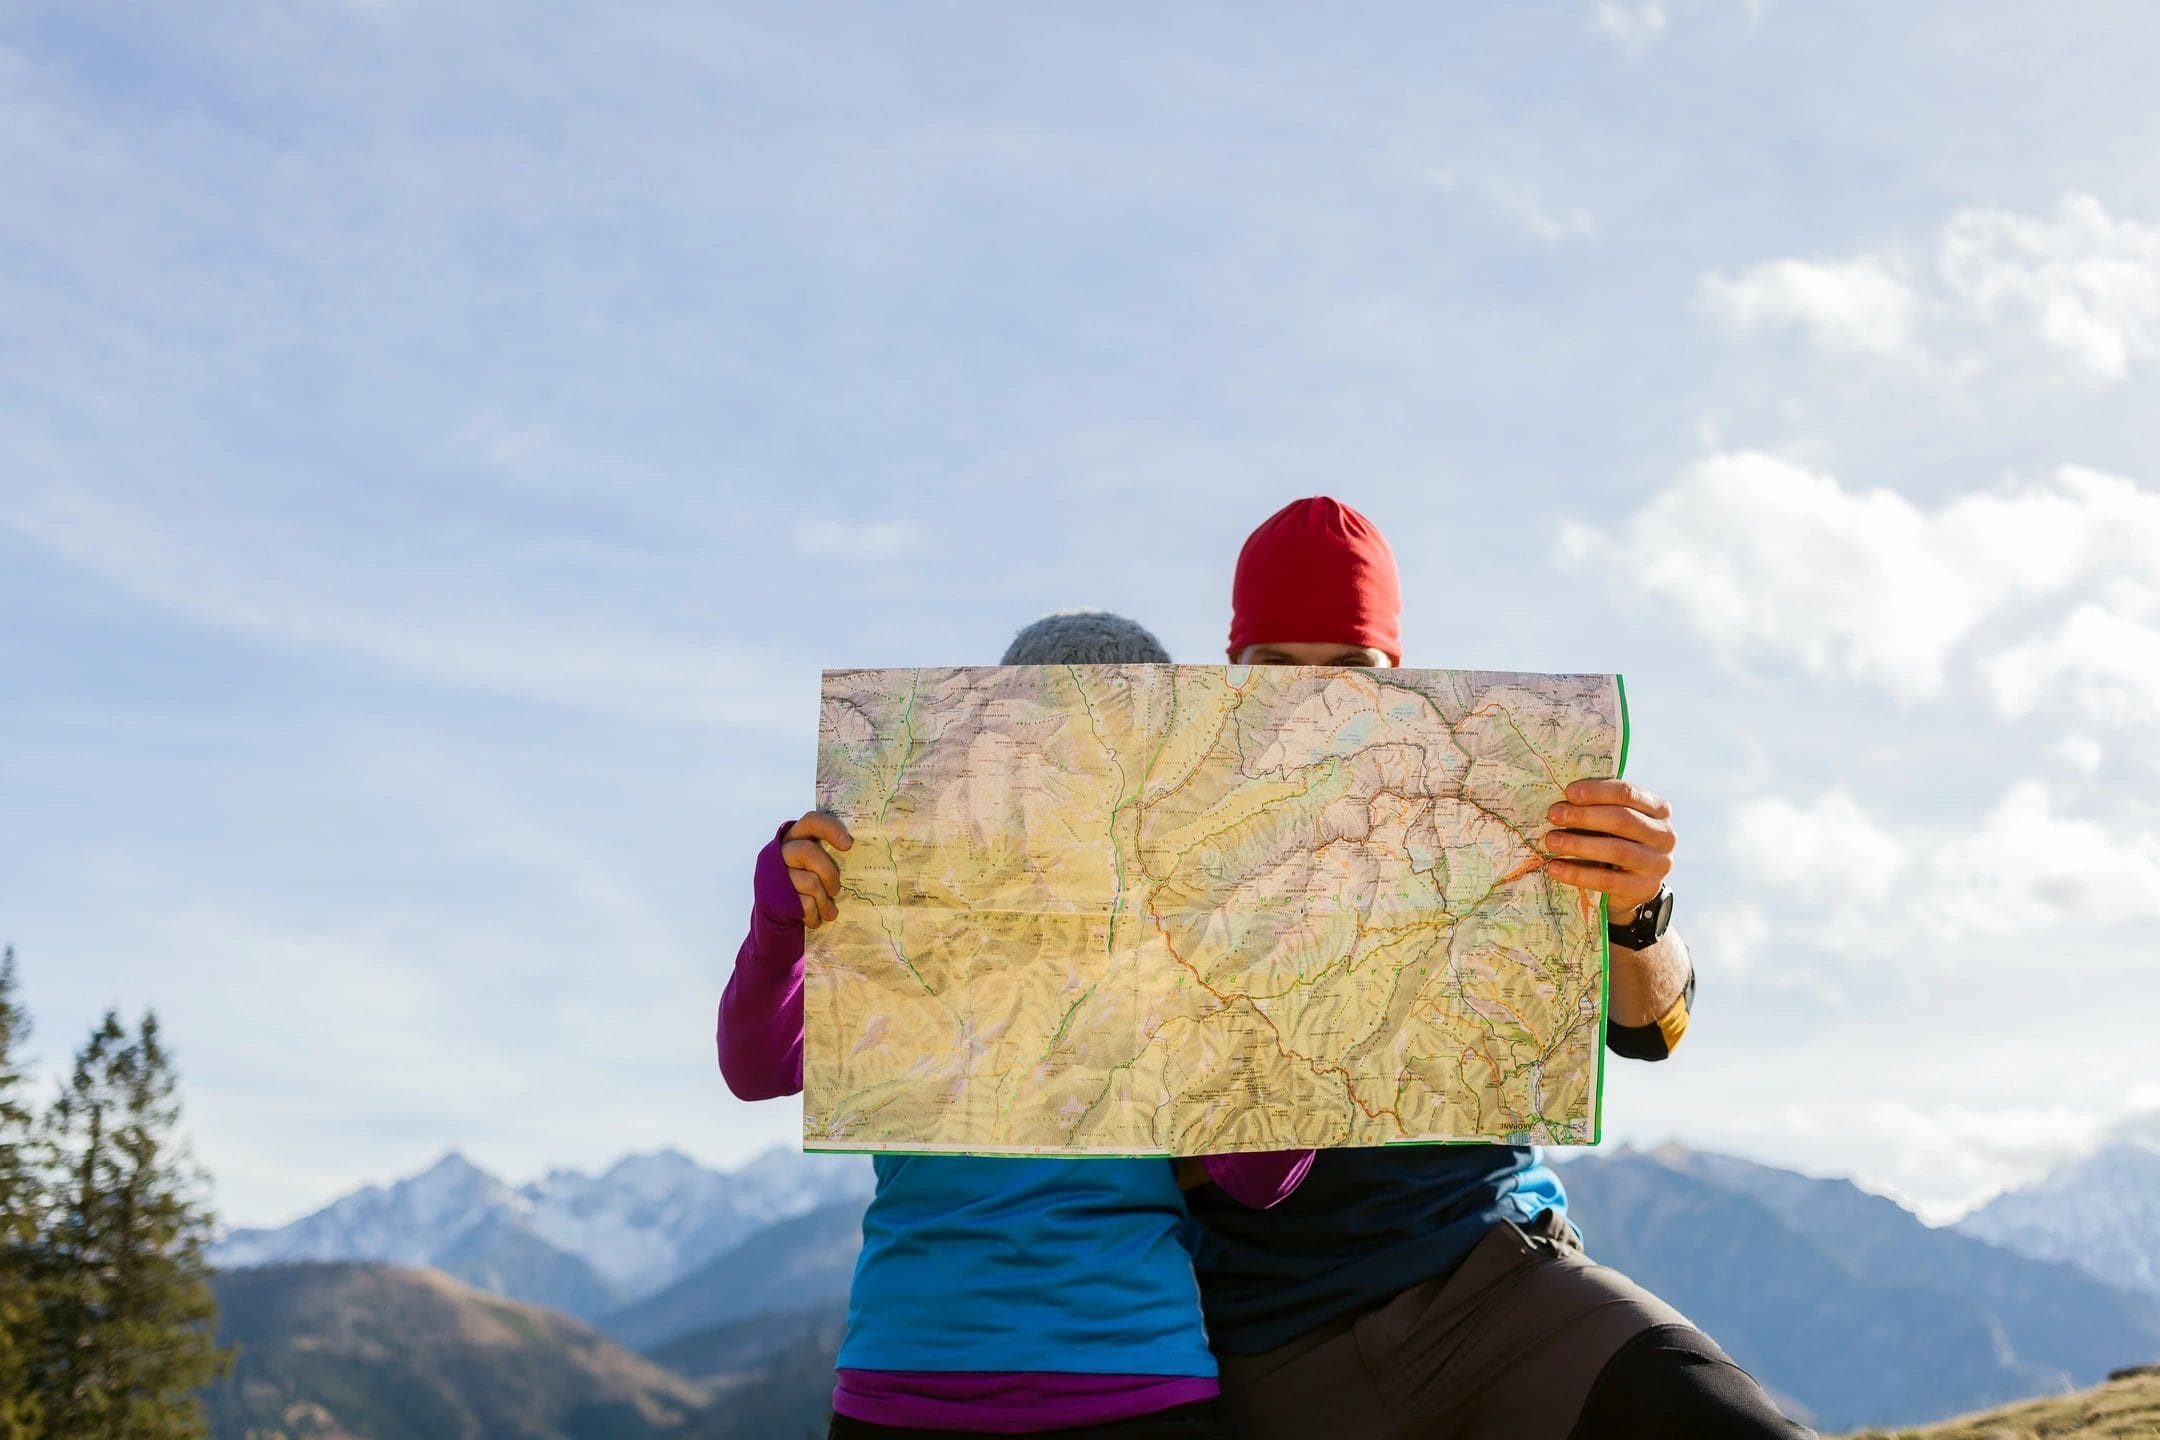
2105 664
2087 284
1633 28
1521 202
1734 943
1824 849
2079 287
858 539
1756 552
1729 938
1873 887
2141 1126
1760 554
1944 1159
1514 198
1829 869
1843 306
2080 753
2026 868
1954 1119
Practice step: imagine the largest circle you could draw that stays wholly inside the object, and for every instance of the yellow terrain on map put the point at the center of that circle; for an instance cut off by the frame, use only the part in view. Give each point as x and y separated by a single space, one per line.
1178 910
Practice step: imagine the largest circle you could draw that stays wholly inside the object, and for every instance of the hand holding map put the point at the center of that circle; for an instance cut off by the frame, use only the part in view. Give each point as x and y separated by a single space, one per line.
811 868
1616 838
1198 909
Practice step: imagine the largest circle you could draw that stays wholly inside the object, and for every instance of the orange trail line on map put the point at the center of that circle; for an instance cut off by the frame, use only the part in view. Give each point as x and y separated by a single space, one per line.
1539 862
1528 867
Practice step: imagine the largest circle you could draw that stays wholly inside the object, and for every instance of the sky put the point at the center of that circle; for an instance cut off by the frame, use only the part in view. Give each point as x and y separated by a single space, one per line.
441 442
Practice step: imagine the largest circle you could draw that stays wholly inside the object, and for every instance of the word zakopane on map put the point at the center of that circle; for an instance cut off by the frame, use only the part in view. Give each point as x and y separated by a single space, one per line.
1156 909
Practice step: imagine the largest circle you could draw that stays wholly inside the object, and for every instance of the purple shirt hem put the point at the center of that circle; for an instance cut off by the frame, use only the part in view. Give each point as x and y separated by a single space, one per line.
1009 1404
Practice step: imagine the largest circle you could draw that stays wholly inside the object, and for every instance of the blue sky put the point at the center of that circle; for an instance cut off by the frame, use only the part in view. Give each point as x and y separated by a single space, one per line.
440 443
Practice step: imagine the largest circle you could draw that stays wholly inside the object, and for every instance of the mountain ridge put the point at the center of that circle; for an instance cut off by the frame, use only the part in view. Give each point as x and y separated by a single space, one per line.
583 1244
2099 1211
789 1264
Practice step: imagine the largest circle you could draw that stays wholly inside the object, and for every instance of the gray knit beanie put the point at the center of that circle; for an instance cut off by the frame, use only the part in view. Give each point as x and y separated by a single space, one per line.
1085 637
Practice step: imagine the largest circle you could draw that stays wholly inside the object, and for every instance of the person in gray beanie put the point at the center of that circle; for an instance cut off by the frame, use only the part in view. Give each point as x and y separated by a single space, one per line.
1085 637
1032 1296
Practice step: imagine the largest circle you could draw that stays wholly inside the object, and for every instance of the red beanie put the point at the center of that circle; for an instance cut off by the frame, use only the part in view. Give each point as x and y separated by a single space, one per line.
1317 571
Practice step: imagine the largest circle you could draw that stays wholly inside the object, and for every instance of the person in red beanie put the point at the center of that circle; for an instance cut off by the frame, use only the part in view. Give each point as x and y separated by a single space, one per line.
1316 568
1439 1291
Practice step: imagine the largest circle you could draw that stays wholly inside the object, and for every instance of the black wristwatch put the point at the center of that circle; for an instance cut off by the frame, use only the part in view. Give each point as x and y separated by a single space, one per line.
1649 925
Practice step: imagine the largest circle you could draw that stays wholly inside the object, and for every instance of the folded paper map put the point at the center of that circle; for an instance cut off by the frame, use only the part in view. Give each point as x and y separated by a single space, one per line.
1157 910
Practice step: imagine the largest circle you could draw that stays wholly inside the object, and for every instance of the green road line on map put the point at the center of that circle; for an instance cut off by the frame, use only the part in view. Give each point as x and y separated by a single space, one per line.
898 1082
1065 1022
1005 1100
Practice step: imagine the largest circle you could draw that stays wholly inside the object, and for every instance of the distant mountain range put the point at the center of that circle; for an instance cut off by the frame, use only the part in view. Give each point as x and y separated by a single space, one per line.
581 1244
1843 1302
2100 1212
806 1261
733 1286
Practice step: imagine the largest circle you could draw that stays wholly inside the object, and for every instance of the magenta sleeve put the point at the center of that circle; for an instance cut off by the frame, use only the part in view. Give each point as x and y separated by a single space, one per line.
760 1035
1259 1180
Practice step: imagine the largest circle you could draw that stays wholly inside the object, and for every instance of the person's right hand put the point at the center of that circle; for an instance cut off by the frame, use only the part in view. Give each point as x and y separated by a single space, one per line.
811 869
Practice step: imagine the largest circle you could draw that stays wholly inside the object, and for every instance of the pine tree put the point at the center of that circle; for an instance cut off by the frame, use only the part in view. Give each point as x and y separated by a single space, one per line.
21 1207
128 1305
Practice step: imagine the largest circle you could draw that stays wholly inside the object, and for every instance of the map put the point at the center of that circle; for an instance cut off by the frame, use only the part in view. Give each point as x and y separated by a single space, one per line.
1186 909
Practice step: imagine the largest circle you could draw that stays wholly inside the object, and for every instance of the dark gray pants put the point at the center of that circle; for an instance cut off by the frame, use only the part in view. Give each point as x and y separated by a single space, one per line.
1511 1346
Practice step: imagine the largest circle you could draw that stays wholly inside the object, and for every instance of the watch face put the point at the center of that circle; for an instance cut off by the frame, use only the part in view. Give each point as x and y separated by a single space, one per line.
1664 910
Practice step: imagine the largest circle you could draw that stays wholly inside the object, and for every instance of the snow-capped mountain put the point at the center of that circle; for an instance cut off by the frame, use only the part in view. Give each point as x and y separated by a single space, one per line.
2100 1213
408 1223
652 1218
578 1242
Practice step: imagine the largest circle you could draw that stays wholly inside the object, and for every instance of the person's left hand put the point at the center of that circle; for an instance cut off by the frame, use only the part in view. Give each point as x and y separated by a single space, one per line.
1613 836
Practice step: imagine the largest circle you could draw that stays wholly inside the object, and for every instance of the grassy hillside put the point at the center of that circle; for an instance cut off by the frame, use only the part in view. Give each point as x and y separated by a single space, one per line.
328 1352
2126 1408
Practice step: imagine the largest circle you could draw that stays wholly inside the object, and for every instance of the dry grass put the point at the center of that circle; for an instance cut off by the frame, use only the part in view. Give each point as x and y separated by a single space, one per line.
2127 1408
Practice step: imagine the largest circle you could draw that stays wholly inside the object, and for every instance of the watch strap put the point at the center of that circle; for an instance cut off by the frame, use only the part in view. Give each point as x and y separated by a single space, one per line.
1651 921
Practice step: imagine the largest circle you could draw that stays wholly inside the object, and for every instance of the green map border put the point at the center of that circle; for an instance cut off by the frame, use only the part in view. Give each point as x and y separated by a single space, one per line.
1604 1018
1597 1111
